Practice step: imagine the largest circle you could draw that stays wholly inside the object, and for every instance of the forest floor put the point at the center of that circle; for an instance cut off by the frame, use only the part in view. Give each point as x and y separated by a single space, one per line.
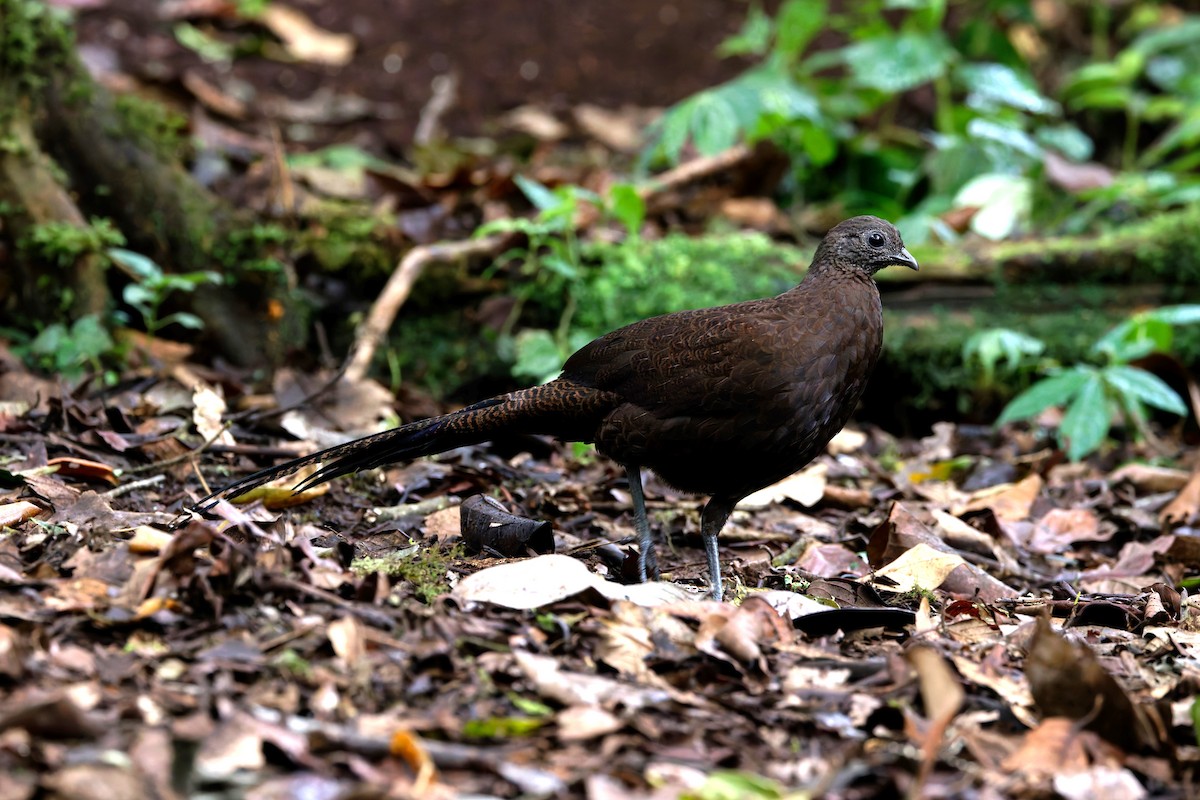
963 614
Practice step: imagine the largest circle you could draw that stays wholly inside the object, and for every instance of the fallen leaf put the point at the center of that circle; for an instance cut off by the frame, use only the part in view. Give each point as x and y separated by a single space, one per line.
303 39
921 567
1185 508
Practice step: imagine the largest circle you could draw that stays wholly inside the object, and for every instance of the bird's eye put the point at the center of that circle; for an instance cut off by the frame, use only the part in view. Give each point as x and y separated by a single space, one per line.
875 239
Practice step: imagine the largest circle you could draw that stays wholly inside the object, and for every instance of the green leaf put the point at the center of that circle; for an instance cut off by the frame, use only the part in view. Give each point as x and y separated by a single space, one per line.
139 265
1056 390
1087 420
729 785
627 206
994 345
713 124
797 22
1145 386
183 319
1006 135
1196 719
819 145
542 198
992 85
898 62
538 355
1134 338
754 37
139 296
1177 315
1066 139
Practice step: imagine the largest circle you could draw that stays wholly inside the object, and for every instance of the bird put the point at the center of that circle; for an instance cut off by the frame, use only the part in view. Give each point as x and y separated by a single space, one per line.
718 401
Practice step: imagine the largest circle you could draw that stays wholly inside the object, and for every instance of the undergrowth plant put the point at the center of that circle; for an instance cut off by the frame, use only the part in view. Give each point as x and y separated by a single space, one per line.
151 287
984 130
551 263
1092 394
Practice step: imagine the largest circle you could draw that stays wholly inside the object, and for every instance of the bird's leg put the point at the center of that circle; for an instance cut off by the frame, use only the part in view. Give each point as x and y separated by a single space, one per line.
712 520
647 558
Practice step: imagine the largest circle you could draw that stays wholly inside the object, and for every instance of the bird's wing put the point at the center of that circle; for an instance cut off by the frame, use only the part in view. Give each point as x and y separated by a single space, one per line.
690 362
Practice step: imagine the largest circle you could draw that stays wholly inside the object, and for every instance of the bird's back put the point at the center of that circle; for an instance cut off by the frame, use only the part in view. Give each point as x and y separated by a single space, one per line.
727 400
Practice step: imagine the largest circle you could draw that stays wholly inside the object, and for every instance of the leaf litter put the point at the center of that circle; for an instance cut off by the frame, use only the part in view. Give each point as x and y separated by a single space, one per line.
935 639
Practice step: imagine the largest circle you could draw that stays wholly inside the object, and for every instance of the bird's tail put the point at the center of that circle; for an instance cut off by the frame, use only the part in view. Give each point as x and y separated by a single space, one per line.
559 408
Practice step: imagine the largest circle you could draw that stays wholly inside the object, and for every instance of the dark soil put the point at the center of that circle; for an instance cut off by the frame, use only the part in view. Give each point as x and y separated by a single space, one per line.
506 53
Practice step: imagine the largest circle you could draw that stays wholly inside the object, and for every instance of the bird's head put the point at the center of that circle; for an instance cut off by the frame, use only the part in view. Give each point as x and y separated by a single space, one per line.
865 243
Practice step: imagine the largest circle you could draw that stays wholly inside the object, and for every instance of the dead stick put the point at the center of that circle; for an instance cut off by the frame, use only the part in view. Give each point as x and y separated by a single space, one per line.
399 286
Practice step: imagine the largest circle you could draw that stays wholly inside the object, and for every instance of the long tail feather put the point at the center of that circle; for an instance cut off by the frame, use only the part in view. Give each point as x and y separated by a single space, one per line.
558 409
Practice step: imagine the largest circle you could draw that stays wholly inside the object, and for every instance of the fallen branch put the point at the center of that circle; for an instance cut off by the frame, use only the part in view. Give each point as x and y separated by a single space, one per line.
383 312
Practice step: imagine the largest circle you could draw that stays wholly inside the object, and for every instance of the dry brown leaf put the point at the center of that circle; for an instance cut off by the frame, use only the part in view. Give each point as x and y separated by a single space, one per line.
1010 502
1061 528
806 487
13 513
1067 680
346 636
304 40
1185 508
921 567
580 723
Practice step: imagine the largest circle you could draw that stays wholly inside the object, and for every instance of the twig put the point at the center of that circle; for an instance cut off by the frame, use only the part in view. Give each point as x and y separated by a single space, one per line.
134 486
445 93
694 170
383 313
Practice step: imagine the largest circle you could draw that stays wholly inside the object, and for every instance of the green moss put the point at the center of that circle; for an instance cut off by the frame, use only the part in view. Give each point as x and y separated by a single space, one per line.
342 236
642 279
253 248
1163 247
159 126
64 243
34 38
424 567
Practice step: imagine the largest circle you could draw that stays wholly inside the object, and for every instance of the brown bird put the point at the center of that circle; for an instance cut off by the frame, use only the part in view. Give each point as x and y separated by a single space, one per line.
718 401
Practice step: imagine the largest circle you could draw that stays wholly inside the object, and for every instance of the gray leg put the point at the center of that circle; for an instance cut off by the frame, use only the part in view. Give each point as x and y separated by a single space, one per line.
712 520
647 558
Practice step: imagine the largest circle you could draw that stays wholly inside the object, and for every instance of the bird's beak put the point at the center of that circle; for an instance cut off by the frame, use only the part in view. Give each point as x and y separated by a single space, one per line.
905 259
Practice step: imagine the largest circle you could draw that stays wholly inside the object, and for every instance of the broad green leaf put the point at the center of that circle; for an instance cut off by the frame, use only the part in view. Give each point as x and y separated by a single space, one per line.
819 145
1177 315
770 91
91 336
182 318
1145 386
1056 390
208 47
1087 420
713 124
538 356
991 346
675 125
138 296
1006 135
754 37
898 62
1134 338
797 22
991 85
543 199
1066 139
1182 34
144 268
627 206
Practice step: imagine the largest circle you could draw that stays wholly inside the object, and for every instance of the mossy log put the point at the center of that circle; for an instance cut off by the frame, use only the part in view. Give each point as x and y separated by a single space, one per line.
69 153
